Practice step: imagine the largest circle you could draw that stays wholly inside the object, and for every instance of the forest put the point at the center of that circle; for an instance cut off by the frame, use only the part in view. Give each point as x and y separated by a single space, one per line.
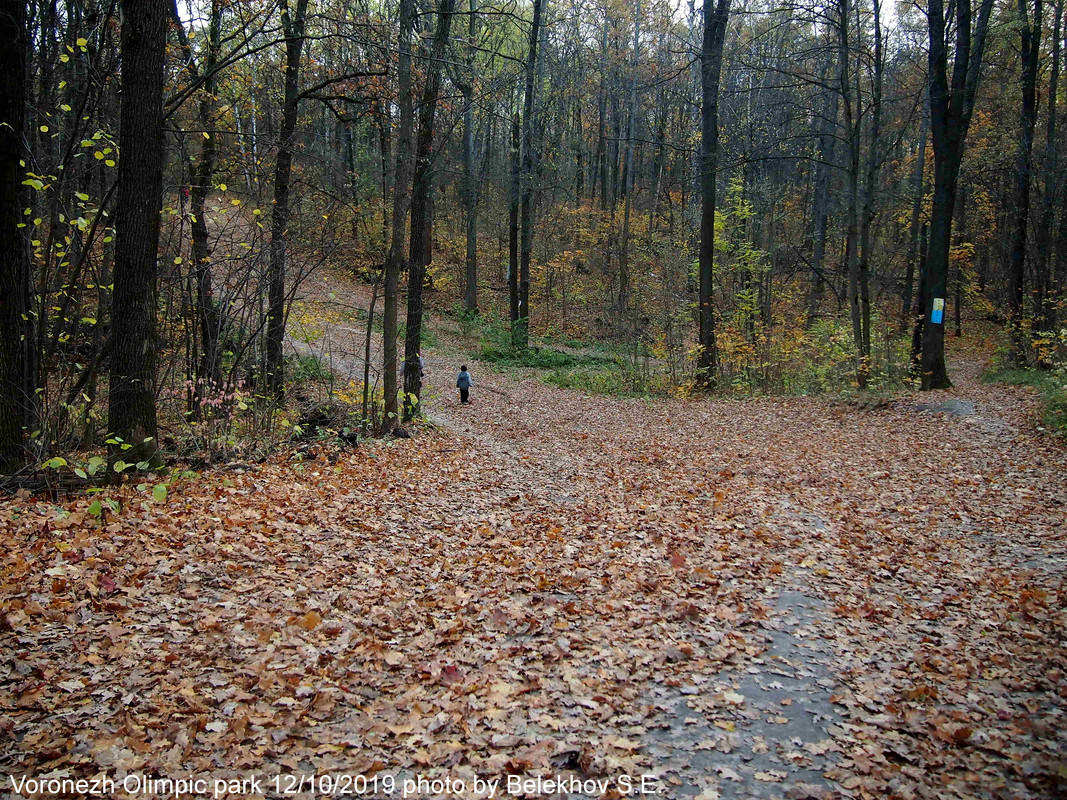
761 308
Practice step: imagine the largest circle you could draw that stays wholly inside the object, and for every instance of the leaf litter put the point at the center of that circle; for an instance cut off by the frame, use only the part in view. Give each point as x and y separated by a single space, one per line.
555 583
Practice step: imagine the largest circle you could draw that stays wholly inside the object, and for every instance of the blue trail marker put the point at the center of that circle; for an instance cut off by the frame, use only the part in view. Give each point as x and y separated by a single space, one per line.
938 313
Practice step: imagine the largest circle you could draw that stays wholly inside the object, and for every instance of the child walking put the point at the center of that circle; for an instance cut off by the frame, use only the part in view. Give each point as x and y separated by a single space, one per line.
464 383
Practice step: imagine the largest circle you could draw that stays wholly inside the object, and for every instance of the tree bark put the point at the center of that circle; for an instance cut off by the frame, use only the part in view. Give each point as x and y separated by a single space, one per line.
208 374
470 184
17 375
715 19
132 388
513 231
394 261
293 26
821 201
421 211
950 116
1029 59
526 203
1046 317
918 191
874 164
624 252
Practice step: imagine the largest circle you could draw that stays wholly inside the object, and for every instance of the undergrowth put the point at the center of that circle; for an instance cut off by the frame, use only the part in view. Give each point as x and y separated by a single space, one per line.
1050 384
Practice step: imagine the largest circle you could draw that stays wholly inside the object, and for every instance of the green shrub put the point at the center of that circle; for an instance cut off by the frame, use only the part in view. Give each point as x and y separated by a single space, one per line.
591 381
533 358
304 369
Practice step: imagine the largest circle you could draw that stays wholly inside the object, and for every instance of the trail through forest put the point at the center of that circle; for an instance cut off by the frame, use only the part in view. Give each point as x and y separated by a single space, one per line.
744 598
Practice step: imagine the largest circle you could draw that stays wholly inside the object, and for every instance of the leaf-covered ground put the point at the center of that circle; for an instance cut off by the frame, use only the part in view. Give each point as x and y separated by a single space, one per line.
771 597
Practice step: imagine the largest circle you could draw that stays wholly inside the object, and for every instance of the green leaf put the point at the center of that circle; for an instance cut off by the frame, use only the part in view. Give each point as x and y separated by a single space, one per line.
55 463
160 493
96 508
119 465
80 473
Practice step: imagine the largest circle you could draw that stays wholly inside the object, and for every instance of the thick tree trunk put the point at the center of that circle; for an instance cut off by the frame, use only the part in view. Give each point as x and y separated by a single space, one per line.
132 395
715 19
950 116
17 378
293 26
421 212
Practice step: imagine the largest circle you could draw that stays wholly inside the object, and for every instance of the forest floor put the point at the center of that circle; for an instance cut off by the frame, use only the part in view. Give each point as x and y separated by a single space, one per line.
770 597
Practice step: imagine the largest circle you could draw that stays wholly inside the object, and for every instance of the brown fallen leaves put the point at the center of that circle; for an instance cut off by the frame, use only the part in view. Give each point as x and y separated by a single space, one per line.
498 599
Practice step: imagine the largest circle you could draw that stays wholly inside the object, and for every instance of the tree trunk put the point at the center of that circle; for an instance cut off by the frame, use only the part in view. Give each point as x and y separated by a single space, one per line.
385 131
422 210
1046 315
1029 58
601 157
915 256
950 116
821 200
132 396
513 231
293 25
526 207
960 232
853 126
470 185
874 164
209 364
715 20
624 253
394 261
17 378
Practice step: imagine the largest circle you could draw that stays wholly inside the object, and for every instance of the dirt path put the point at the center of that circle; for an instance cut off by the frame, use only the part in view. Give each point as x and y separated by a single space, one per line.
886 521
880 544
758 598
